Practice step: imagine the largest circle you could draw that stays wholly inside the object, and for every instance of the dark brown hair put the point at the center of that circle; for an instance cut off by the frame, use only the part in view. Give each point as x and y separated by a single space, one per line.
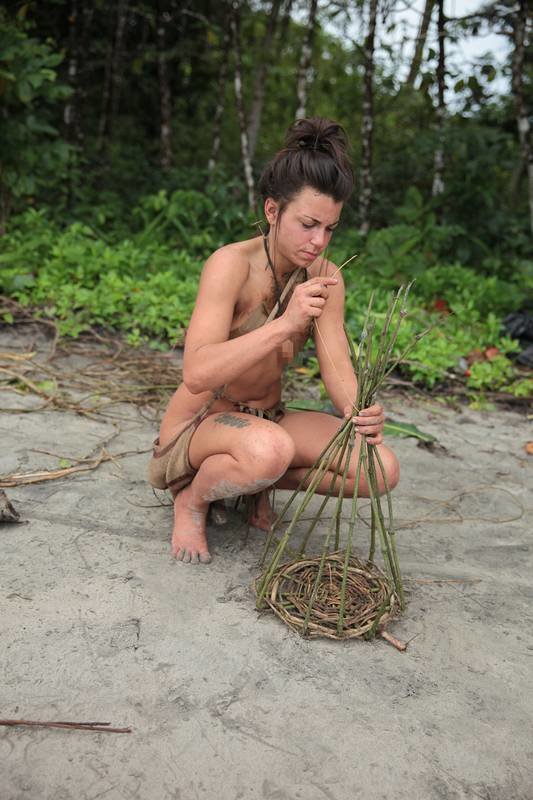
316 154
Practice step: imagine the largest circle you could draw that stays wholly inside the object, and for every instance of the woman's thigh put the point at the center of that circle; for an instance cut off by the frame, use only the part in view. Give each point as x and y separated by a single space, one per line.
242 436
311 431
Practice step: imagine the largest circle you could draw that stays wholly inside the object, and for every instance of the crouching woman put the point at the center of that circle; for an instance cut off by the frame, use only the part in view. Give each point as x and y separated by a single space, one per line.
226 431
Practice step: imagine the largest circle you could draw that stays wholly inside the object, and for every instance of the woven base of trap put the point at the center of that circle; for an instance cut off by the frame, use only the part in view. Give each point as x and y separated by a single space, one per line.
370 601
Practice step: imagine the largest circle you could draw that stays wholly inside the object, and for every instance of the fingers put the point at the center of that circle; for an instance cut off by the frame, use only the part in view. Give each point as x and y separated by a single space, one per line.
374 410
308 300
373 415
316 287
369 423
325 280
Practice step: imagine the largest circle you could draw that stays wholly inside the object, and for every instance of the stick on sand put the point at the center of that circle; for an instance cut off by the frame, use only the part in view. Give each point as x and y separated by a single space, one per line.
80 726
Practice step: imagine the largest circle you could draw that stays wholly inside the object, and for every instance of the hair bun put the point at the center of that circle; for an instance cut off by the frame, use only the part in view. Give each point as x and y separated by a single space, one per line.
317 134
311 143
315 154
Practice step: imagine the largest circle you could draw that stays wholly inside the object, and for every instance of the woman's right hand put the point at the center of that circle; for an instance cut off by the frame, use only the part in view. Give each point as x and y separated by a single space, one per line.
307 302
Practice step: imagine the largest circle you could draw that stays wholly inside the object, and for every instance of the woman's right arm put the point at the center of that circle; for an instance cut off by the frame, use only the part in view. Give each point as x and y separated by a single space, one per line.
211 360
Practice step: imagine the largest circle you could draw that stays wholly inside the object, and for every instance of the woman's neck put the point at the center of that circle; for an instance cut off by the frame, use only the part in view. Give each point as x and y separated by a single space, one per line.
280 265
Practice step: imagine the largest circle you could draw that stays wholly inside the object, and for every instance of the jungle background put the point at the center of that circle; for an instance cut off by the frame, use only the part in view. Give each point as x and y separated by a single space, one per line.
132 135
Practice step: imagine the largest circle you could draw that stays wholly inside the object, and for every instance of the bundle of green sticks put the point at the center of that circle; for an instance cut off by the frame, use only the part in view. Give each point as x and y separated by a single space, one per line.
336 593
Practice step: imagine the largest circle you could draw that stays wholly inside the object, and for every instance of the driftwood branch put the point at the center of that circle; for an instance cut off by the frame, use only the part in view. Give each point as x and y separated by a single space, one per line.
104 727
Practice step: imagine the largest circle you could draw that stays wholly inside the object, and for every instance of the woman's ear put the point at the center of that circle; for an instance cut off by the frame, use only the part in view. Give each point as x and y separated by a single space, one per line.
271 210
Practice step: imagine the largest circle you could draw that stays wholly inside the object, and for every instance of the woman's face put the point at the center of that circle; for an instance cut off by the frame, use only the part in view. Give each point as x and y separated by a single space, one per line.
306 225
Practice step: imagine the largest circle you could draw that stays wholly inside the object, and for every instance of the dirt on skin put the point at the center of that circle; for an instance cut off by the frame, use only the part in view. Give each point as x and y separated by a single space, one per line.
100 622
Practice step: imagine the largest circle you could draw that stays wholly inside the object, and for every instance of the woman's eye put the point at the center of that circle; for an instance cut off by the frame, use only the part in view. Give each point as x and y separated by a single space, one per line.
307 226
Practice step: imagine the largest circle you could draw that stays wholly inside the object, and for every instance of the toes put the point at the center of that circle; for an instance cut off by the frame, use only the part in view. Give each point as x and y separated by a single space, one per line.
194 558
205 558
186 557
179 555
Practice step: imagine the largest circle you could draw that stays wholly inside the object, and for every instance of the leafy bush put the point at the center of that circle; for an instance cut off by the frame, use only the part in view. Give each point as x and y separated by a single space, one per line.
82 280
145 284
438 355
33 155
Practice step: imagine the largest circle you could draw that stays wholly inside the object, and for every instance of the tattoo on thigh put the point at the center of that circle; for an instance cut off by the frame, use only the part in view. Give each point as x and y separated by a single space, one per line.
233 422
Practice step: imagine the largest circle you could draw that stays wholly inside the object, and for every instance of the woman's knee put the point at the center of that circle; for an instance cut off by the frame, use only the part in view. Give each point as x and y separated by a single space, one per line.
391 465
269 451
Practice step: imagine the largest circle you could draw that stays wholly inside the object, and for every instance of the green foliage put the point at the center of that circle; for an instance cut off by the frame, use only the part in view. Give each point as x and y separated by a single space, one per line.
491 374
407 249
144 284
437 356
523 387
83 281
198 221
33 155
469 294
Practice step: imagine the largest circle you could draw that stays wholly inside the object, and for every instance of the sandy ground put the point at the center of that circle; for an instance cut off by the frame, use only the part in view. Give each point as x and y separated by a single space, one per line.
99 623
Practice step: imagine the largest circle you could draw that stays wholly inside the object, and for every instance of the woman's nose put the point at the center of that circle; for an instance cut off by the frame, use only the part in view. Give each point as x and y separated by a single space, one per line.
319 238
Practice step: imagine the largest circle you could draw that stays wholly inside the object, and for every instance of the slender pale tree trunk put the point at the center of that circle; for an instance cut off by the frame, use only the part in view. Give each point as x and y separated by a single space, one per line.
165 101
438 161
522 121
219 110
285 22
420 42
367 125
260 78
304 70
247 164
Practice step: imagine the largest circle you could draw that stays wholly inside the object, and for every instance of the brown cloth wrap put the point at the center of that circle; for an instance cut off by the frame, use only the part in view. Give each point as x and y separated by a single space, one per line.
169 466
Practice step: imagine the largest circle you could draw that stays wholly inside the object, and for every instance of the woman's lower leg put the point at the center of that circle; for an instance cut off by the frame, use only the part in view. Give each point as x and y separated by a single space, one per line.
218 477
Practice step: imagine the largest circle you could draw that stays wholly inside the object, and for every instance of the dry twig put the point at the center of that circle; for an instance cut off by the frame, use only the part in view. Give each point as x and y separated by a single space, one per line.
102 727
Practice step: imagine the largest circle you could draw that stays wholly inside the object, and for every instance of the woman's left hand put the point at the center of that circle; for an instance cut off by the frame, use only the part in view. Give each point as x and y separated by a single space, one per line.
369 422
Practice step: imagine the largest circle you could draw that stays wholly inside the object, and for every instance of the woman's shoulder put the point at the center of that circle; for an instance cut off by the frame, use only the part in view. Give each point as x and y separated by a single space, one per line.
229 262
233 253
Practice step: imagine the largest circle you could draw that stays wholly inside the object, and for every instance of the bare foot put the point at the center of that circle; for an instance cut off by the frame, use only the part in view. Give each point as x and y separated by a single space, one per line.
262 515
189 542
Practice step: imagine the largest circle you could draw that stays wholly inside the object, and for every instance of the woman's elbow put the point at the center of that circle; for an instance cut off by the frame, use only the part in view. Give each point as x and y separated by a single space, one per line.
195 380
192 381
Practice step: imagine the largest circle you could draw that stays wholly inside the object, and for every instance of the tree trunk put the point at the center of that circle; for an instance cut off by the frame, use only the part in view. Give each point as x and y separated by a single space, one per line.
165 103
438 163
367 125
113 78
420 43
70 113
522 121
219 110
260 79
87 14
304 71
247 165
285 22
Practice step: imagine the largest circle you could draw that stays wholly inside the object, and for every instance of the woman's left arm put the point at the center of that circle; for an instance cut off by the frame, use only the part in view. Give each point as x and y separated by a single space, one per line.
336 366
